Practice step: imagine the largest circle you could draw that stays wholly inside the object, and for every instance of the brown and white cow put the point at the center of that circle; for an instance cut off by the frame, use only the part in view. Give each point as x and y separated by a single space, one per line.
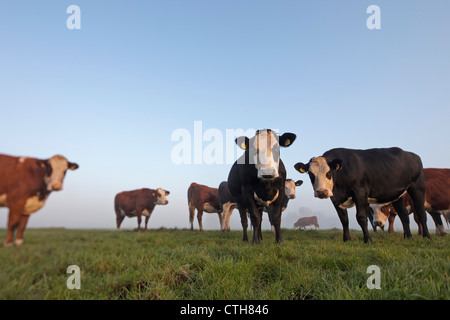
138 203
306 221
437 200
204 199
25 184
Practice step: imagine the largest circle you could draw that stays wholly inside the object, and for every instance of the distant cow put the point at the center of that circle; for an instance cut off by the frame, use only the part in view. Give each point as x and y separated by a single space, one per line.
383 212
362 177
370 215
257 180
437 200
138 203
305 222
228 205
25 184
204 199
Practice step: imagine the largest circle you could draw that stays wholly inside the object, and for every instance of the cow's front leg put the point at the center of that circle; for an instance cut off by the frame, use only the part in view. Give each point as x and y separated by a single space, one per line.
256 218
139 220
244 222
275 221
15 213
404 217
146 222
22 224
343 216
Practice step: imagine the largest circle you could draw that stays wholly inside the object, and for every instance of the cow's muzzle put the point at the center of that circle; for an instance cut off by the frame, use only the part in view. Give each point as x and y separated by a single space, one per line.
323 194
56 187
378 223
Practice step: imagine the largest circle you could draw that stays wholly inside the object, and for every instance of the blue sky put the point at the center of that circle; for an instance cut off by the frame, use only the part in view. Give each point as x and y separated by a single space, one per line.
110 95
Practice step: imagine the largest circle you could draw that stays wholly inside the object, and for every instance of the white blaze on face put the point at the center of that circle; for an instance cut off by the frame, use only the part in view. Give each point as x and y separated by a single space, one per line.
321 179
59 165
265 154
161 196
289 189
380 214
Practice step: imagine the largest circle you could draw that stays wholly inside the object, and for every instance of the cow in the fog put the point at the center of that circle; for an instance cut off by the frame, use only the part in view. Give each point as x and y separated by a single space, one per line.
437 201
25 184
138 203
304 222
362 177
257 180
203 199
228 205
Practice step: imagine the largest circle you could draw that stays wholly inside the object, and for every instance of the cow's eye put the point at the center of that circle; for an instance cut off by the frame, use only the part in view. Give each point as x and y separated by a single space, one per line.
328 175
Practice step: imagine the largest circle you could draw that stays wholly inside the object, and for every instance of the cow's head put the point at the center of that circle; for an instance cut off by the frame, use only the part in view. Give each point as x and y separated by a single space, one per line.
381 213
322 173
55 171
161 196
264 151
289 189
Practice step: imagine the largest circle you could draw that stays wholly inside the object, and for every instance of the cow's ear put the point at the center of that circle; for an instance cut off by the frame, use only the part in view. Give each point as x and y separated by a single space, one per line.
41 163
242 142
298 183
301 167
336 164
73 166
167 192
287 139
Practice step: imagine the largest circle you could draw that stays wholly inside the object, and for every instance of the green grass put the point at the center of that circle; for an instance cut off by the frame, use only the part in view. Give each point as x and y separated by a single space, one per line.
181 264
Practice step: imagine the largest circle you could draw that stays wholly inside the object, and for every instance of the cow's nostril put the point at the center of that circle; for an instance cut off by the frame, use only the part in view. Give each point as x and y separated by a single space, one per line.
57 186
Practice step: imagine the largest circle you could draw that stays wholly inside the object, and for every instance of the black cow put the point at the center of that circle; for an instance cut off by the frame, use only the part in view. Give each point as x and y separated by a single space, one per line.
361 177
257 180
228 204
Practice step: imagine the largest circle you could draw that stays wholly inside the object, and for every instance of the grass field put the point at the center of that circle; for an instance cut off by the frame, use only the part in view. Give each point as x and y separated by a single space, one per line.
181 264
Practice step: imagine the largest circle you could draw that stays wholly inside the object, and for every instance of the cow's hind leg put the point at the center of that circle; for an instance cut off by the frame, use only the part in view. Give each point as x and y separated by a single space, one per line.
440 230
361 216
199 218
404 217
417 194
139 220
191 215
419 224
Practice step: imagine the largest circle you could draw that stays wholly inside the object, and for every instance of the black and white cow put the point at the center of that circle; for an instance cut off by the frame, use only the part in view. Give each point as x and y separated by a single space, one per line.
361 177
228 205
257 180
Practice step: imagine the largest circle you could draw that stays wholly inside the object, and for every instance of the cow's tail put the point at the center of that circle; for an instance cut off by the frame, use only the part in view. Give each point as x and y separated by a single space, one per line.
116 205
191 209
119 215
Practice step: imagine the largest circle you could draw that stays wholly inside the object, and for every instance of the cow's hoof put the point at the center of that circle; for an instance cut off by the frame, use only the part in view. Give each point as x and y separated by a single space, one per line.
7 244
18 242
